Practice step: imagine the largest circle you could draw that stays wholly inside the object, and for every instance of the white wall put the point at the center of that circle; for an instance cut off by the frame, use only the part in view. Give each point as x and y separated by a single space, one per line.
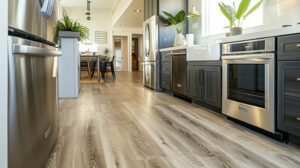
276 14
101 20
3 83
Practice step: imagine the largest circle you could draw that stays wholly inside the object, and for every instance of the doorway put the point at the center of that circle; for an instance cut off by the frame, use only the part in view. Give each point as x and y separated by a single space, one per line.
135 54
120 50
118 42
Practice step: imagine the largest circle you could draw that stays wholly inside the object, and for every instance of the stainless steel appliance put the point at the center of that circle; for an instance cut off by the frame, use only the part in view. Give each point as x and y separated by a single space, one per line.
249 82
33 98
151 54
179 73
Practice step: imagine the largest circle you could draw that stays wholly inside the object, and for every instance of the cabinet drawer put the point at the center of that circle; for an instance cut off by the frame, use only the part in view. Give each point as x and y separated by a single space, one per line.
166 59
289 96
166 68
289 47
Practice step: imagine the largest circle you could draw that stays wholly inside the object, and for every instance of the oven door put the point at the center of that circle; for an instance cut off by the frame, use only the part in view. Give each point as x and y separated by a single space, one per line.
248 89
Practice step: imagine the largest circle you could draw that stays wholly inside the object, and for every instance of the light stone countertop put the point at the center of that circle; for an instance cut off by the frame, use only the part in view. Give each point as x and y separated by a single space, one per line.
262 34
173 48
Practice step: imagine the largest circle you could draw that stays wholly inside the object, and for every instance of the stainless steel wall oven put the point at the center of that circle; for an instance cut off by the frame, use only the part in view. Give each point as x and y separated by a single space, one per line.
249 82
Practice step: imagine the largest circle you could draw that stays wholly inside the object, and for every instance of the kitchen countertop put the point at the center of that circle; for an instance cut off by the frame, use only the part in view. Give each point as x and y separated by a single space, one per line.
262 34
173 48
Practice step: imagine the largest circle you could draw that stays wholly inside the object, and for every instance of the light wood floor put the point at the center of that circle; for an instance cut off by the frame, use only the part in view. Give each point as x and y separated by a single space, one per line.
121 124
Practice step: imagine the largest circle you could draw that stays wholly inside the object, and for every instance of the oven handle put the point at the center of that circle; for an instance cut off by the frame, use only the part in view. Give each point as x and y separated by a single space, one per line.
260 56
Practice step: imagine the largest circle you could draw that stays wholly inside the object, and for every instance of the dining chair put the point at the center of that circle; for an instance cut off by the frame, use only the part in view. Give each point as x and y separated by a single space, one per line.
109 67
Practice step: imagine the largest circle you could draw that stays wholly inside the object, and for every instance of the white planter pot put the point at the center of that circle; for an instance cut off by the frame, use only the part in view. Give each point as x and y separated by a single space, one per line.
179 40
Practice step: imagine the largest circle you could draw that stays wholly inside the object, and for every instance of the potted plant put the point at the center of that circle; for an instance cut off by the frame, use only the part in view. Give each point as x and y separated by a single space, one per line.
66 25
178 21
237 17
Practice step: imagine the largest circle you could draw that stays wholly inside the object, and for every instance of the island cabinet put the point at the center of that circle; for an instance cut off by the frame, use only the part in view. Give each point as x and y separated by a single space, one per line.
288 86
205 84
166 71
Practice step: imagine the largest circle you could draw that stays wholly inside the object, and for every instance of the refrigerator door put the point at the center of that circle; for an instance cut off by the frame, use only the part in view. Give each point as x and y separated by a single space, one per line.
151 39
33 104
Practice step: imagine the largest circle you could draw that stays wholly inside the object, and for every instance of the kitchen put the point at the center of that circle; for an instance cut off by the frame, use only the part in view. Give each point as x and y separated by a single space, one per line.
207 96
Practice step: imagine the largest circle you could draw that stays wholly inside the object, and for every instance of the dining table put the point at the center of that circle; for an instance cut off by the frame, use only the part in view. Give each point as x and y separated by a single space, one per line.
89 57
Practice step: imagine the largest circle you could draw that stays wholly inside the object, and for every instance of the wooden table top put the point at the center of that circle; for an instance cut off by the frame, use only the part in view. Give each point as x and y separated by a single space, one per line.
89 55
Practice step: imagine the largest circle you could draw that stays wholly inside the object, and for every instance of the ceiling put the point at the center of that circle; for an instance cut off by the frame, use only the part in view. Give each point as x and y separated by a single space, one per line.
103 4
130 18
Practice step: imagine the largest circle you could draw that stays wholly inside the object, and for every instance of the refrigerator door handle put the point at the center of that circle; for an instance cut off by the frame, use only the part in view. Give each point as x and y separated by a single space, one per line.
30 50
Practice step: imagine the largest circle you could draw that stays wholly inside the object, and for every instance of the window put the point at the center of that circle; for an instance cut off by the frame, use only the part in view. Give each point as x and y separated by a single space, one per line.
101 37
214 21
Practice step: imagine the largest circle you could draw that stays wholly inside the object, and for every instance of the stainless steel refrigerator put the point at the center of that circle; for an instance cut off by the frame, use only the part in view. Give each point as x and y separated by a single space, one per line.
33 98
151 63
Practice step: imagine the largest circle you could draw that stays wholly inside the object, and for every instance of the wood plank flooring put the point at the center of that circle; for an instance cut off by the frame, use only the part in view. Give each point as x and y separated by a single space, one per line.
121 124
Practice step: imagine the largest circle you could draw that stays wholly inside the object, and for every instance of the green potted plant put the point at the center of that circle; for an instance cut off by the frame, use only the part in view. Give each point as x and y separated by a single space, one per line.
178 21
68 27
237 17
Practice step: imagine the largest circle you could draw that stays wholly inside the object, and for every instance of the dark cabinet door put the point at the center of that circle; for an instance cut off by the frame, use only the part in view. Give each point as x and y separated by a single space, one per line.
195 78
289 96
179 75
212 86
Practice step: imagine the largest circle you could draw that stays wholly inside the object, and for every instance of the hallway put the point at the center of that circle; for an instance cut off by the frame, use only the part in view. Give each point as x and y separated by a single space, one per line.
122 124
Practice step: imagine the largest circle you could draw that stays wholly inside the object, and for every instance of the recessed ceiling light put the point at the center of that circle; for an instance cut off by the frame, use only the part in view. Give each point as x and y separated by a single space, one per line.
137 11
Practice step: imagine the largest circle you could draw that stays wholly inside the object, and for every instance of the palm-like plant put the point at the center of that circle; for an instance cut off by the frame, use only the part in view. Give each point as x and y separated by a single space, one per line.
178 20
237 17
66 24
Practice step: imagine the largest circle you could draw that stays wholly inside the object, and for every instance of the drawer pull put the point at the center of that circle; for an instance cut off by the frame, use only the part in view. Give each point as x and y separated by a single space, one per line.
298 79
298 45
298 118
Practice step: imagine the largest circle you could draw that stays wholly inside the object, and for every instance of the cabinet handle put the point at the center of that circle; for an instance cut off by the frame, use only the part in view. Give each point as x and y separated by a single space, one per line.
201 77
298 118
298 79
298 45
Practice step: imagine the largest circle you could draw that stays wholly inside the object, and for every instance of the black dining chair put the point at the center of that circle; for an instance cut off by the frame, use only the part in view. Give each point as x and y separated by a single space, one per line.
109 67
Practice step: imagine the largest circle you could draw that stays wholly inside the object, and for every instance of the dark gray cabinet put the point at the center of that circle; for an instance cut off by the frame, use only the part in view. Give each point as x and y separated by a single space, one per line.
289 96
166 71
212 86
195 80
204 83
288 86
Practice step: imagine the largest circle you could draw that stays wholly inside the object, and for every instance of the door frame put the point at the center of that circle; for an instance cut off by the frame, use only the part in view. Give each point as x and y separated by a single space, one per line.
114 54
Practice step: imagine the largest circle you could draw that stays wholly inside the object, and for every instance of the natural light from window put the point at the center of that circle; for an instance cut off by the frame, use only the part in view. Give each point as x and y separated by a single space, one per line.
213 21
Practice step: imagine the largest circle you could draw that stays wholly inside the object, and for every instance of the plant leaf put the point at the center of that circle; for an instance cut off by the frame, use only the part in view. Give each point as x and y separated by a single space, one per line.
171 17
253 9
180 16
243 7
172 22
225 12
